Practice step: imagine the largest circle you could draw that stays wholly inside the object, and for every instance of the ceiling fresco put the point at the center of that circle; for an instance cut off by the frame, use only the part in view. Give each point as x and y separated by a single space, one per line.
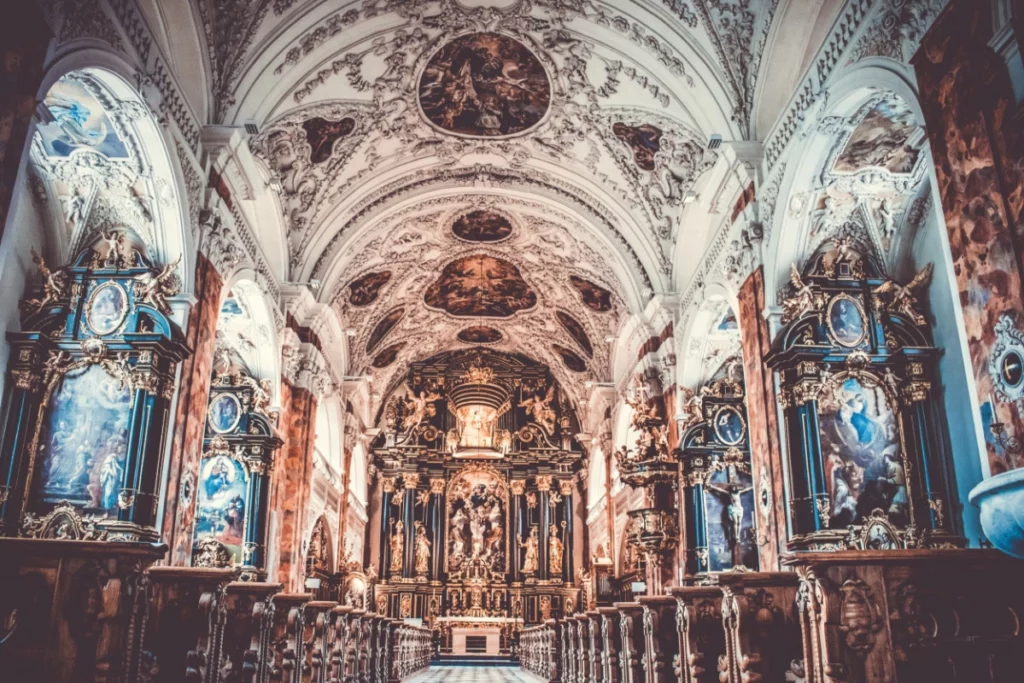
364 290
481 285
573 327
570 359
484 84
388 355
595 297
882 140
80 122
479 334
322 134
644 140
382 328
482 226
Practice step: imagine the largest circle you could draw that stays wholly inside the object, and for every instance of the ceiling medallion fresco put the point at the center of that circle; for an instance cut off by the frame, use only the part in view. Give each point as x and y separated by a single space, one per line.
366 289
79 122
644 140
388 355
481 285
569 358
882 140
594 297
480 334
482 226
484 84
386 324
321 135
576 331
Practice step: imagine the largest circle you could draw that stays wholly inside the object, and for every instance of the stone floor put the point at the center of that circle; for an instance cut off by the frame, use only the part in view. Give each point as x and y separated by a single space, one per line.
474 674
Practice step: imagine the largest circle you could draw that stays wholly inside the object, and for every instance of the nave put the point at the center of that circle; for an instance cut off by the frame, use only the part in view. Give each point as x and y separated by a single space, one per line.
474 674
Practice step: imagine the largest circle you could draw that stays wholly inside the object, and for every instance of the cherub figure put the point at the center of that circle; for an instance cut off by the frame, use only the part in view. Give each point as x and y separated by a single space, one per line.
802 299
118 251
154 289
417 408
540 411
55 285
903 300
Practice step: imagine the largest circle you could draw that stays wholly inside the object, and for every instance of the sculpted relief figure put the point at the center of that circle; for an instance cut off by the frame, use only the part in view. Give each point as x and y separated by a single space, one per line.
530 562
397 547
555 549
422 550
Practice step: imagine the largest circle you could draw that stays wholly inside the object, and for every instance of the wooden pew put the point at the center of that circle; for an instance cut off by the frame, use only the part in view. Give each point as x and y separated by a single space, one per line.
631 656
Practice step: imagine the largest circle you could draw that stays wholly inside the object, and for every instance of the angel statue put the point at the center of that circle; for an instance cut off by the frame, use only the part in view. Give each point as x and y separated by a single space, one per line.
417 408
903 300
119 254
154 289
540 411
422 550
693 409
802 299
55 285
531 561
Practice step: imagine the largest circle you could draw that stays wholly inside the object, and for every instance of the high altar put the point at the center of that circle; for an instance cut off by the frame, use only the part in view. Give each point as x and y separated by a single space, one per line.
479 510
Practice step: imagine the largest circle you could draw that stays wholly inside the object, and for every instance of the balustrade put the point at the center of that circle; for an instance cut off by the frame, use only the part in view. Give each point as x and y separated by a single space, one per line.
540 650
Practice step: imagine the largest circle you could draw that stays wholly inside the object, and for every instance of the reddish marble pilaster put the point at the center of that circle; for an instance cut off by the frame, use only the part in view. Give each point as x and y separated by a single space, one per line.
290 482
24 38
763 421
967 98
190 417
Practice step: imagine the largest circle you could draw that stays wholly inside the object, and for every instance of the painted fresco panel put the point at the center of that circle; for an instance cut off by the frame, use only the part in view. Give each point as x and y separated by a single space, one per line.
220 510
80 122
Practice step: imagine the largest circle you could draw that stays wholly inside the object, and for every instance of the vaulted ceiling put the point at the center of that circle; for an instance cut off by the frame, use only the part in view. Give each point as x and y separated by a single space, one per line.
510 173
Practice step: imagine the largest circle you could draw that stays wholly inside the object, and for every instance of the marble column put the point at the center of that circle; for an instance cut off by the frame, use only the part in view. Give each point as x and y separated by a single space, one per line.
519 531
969 109
290 481
410 482
544 489
24 37
190 414
763 422
437 524
566 489
387 491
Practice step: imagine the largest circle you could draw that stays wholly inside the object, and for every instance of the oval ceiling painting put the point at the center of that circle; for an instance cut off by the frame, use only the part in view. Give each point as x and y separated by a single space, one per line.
595 297
386 324
484 84
365 290
480 334
482 226
480 285
388 355
576 331
570 359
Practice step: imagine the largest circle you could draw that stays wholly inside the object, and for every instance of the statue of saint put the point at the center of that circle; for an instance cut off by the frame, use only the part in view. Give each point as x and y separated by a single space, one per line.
532 552
555 553
422 551
398 547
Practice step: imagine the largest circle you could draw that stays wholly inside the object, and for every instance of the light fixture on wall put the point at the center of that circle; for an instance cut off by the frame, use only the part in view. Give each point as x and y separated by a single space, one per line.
715 141
314 284
690 197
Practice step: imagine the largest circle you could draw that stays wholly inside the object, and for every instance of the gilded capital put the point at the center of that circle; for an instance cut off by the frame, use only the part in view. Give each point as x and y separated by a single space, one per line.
565 487
387 484
544 482
411 481
437 486
517 486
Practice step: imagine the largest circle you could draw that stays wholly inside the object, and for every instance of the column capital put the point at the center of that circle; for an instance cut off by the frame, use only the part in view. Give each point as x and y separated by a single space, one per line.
410 480
544 482
387 484
518 487
437 486
565 487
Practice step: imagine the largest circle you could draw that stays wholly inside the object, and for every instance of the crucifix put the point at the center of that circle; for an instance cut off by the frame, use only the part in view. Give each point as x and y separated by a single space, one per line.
733 489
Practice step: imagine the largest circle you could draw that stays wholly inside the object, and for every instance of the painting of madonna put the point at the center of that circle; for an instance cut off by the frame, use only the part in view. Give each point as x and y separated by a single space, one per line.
860 445
84 442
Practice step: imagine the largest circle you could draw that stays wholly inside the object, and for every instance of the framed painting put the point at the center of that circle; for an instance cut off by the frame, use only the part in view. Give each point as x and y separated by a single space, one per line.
106 308
224 413
220 507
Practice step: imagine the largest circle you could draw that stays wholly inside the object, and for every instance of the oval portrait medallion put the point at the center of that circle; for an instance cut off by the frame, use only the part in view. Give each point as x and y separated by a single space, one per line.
482 226
484 84
107 308
224 413
846 322
730 428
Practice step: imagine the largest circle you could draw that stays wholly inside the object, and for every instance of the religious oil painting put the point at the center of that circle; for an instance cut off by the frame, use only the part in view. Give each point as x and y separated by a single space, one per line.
479 334
884 139
80 122
730 428
644 141
364 290
860 443
846 321
484 84
224 413
321 135
388 355
84 443
569 358
107 308
220 510
476 521
386 324
481 285
576 331
729 506
595 297
482 226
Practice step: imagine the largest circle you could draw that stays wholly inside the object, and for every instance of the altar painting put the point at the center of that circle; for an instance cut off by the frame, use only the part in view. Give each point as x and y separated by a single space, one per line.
861 447
476 522
220 511
84 443
729 506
